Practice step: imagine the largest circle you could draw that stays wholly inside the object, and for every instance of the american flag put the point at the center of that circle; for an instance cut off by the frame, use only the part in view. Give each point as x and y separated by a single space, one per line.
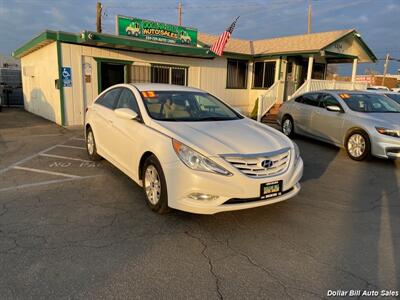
219 45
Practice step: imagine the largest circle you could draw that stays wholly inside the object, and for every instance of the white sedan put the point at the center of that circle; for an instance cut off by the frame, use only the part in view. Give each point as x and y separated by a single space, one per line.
189 150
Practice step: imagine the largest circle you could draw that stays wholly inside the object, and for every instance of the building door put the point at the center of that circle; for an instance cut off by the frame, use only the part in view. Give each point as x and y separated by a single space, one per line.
111 73
290 79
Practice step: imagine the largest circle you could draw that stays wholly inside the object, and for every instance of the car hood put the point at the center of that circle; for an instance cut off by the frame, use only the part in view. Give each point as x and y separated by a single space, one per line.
383 119
226 137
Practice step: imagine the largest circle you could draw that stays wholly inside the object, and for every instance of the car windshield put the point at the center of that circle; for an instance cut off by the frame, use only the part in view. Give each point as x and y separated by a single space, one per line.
370 103
183 106
395 97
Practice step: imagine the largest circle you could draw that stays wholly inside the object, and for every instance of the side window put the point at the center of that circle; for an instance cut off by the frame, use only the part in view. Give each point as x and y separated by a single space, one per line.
311 99
109 99
327 100
299 99
128 100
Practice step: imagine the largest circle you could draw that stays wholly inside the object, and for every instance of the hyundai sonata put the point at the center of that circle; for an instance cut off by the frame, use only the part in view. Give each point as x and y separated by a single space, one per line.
189 150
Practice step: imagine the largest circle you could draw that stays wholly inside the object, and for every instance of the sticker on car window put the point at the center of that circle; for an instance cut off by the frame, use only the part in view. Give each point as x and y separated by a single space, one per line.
149 94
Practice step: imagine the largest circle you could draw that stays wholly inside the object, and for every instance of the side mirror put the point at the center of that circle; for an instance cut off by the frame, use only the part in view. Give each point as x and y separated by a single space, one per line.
126 113
334 108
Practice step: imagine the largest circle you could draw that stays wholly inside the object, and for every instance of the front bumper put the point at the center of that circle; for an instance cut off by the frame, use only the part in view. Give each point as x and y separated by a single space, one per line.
242 191
385 146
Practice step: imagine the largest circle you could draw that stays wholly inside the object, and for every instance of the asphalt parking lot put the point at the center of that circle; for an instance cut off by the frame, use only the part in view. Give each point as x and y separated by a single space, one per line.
70 228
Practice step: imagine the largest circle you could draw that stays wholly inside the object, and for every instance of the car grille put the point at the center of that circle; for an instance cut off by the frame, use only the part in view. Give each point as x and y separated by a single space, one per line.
250 200
260 164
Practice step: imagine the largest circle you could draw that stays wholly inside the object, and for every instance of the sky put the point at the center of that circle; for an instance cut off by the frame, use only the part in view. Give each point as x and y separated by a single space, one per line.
378 21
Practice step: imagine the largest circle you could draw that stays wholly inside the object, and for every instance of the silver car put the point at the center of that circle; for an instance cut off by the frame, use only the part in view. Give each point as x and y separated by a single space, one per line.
363 123
392 95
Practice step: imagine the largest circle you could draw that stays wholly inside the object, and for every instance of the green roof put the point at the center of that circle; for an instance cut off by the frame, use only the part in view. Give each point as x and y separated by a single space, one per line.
110 41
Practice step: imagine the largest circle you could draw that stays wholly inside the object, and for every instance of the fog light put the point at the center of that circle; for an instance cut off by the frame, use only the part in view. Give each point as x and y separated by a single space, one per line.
201 196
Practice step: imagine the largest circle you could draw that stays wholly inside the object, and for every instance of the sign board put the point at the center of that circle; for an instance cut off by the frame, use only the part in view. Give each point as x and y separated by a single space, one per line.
156 31
66 76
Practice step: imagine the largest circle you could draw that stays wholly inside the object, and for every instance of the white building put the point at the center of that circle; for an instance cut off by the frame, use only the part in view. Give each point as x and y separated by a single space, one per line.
63 72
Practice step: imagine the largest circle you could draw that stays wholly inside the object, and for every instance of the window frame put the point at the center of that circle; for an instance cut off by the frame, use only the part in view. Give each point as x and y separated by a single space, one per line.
134 99
246 73
103 95
264 62
170 67
321 103
318 95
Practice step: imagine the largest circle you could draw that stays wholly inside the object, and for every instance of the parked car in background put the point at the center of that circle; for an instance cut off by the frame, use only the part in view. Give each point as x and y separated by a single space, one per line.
378 87
364 123
392 95
191 151
396 90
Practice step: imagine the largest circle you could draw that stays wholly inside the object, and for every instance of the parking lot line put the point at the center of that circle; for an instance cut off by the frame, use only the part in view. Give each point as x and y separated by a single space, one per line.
46 172
78 139
68 146
26 159
64 157
28 185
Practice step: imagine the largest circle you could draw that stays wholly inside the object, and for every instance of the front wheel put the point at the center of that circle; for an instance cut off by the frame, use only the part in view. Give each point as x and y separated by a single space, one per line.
155 186
358 145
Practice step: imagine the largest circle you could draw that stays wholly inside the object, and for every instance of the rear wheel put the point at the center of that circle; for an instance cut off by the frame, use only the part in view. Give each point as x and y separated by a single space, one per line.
91 145
288 126
154 185
358 145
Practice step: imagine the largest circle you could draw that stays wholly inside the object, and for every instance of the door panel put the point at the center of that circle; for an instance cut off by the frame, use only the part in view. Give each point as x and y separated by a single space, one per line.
104 115
304 108
125 138
103 128
328 125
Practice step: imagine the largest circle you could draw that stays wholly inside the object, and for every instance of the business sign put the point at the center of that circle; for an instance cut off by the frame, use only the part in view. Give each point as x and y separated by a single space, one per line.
156 31
66 76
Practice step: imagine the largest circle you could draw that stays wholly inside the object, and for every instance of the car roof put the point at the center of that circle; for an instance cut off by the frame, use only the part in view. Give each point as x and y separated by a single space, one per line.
163 87
340 91
383 92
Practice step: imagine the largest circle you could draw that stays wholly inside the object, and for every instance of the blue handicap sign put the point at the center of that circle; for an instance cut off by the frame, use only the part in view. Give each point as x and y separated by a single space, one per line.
66 76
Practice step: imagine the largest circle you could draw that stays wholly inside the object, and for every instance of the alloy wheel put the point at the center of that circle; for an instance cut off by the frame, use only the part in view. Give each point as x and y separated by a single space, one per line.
287 127
90 142
356 145
152 184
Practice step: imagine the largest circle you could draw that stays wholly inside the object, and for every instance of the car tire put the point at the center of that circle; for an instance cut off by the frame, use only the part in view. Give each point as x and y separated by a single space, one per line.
358 145
91 145
288 126
155 185
129 32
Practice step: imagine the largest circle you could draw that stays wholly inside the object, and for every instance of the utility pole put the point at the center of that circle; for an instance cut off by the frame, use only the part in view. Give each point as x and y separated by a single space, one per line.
309 17
99 9
180 13
385 68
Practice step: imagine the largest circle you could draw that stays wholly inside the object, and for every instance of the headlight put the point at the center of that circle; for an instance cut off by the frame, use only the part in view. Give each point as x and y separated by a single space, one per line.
296 151
195 160
390 132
